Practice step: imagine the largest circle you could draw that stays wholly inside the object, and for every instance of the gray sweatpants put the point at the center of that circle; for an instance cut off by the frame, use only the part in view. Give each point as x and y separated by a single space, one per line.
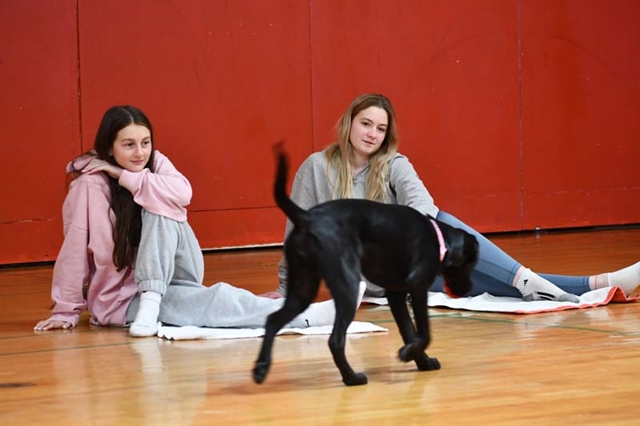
170 262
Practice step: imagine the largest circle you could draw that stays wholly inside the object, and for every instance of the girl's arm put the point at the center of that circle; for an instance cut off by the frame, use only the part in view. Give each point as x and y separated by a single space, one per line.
71 269
408 188
166 192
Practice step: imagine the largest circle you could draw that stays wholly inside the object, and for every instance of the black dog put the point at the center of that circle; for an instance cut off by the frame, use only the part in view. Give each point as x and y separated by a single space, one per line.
393 246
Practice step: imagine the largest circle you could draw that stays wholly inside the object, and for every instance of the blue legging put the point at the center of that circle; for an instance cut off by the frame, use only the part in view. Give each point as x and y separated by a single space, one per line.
496 270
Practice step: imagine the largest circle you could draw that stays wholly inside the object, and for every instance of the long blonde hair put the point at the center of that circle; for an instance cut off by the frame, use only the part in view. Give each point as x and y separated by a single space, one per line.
340 153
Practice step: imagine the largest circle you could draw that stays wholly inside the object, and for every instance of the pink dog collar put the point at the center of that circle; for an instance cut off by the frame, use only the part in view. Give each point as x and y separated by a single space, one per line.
443 247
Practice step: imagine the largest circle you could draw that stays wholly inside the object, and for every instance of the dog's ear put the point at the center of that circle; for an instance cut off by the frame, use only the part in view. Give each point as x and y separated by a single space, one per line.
455 251
462 248
461 258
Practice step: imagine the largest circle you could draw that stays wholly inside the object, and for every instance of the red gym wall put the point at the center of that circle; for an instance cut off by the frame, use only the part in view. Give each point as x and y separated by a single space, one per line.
515 113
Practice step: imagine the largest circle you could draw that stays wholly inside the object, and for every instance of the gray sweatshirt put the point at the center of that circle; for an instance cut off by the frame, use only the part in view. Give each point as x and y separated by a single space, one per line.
311 187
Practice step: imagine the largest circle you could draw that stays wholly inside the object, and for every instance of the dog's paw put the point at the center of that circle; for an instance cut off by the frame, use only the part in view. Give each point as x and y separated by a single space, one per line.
405 354
410 352
427 364
355 380
260 371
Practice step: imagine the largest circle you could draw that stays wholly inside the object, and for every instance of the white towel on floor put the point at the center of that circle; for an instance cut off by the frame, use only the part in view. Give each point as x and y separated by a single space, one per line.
193 332
488 303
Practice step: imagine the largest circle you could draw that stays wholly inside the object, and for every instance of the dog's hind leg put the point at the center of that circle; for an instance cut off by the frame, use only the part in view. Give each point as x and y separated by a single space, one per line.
343 281
345 312
304 281
263 363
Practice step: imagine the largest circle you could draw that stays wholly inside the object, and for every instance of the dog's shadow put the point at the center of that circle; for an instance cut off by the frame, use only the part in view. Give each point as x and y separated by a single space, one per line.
280 383
286 379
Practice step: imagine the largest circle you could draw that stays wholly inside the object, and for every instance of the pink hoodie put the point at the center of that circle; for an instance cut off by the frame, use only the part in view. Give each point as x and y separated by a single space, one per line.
86 254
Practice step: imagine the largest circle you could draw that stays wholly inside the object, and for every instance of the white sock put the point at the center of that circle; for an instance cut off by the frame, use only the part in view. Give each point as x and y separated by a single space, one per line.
534 287
627 278
146 322
324 313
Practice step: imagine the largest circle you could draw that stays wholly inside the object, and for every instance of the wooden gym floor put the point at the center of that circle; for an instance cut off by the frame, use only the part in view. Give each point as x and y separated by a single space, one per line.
570 367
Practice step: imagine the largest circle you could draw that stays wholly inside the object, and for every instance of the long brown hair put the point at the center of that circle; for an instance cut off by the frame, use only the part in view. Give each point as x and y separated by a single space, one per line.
340 154
128 226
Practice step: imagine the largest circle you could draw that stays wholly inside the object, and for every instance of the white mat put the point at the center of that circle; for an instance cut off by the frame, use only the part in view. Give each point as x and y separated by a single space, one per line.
487 303
193 332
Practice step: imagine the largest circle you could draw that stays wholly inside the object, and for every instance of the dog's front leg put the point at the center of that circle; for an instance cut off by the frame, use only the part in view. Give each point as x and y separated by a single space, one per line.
398 305
420 308
414 347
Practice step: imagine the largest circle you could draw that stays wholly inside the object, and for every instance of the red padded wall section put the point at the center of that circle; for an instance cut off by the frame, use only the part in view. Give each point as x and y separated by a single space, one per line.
451 71
581 119
39 124
222 82
515 113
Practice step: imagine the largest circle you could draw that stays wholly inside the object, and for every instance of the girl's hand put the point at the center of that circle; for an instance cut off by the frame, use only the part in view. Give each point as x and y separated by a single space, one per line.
271 295
97 165
51 325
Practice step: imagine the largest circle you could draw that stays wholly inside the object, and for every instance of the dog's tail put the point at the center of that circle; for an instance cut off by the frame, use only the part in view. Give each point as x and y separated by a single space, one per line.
291 209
